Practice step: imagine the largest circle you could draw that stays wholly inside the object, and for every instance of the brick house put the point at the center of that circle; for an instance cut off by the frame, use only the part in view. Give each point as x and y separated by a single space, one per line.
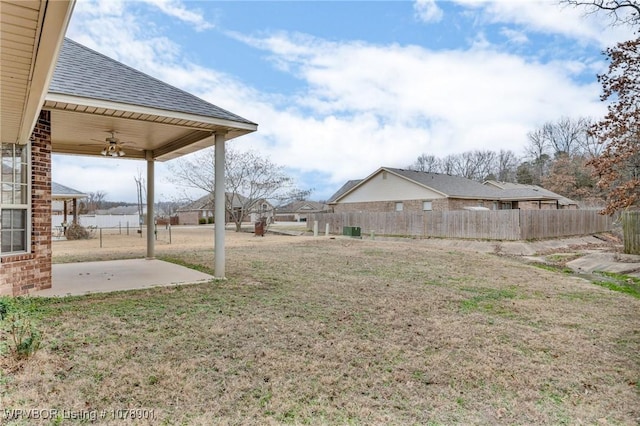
522 196
299 211
389 189
60 97
203 208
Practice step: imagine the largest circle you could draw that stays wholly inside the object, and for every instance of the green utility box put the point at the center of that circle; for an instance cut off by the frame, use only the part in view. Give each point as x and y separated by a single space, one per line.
351 231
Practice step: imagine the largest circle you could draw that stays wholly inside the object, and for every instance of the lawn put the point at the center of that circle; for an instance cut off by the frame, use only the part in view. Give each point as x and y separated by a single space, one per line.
339 331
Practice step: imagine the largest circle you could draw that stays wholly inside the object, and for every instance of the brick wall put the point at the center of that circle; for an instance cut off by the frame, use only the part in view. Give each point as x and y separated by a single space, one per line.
188 218
440 204
25 273
537 205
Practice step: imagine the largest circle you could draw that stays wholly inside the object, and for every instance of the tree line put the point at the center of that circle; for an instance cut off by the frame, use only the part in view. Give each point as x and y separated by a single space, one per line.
557 157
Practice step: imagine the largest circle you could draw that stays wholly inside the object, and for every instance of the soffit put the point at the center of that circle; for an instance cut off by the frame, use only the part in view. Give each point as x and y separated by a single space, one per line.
31 33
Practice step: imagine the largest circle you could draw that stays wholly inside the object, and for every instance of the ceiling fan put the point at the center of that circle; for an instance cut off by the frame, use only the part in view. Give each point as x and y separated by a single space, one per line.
113 147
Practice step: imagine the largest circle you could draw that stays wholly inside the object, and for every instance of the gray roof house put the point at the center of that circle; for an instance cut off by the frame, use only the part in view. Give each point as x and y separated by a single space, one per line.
61 192
523 192
203 208
61 97
392 189
298 211
64 201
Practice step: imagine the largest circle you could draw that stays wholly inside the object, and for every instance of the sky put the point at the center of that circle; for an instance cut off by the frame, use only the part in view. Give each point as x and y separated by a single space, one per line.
342 88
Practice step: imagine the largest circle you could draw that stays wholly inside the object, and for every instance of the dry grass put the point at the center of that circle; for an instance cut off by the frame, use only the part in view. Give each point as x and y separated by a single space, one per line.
337 331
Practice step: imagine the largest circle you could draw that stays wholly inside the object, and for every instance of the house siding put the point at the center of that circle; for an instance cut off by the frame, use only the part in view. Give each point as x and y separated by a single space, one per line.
24 273
386 186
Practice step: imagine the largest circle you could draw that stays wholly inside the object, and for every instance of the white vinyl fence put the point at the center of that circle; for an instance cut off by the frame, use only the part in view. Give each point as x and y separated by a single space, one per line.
99 221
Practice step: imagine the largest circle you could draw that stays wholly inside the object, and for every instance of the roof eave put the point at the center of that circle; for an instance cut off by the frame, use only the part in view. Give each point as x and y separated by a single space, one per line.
214 122
54 24
67 196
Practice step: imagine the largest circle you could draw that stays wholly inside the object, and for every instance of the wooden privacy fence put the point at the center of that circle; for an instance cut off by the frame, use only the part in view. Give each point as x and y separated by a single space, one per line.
631 232
492 225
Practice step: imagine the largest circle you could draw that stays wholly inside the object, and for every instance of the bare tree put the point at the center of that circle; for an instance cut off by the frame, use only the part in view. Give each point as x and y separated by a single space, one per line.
590 146
448 164
195 171
141 191
426 163
475 165
537 153
250 179
620 12
565 135
95 201
506 166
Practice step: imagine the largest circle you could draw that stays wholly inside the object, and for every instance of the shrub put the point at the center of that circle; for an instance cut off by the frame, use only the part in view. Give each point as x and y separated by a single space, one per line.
210 219
202 221
22 336
6 306
25 337
77 232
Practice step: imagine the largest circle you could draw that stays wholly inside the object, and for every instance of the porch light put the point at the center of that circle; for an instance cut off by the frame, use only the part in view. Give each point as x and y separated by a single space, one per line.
112 150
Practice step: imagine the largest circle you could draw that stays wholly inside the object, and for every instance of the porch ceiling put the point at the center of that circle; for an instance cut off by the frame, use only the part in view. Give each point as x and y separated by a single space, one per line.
81 126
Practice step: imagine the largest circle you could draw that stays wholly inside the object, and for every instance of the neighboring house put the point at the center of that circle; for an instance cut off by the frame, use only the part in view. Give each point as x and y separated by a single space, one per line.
67 98
298 211
203 208
389 189
522 196
64 201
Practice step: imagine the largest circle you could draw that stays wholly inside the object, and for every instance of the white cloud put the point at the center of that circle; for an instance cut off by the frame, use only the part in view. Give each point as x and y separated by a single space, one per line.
363 105
548 16
177 9
385 104
427 11
514 36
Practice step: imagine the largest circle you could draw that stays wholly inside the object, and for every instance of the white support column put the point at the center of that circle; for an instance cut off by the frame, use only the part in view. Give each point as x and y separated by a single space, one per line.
150 198
219 201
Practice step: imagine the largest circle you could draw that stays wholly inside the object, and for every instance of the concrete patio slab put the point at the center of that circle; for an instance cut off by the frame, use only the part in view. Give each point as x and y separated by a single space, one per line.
74 279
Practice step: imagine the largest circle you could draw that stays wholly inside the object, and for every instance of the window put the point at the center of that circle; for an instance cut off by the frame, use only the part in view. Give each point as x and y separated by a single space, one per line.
14 196
427 206
399 206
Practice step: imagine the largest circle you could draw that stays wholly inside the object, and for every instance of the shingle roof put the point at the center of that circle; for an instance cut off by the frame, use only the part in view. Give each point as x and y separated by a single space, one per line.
452 186
302 206
83 72
524 191
62 191
344 189
206 202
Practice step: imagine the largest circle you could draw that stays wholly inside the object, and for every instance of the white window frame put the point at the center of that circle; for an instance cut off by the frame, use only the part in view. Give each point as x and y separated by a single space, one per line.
399 206
26 207
428 203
